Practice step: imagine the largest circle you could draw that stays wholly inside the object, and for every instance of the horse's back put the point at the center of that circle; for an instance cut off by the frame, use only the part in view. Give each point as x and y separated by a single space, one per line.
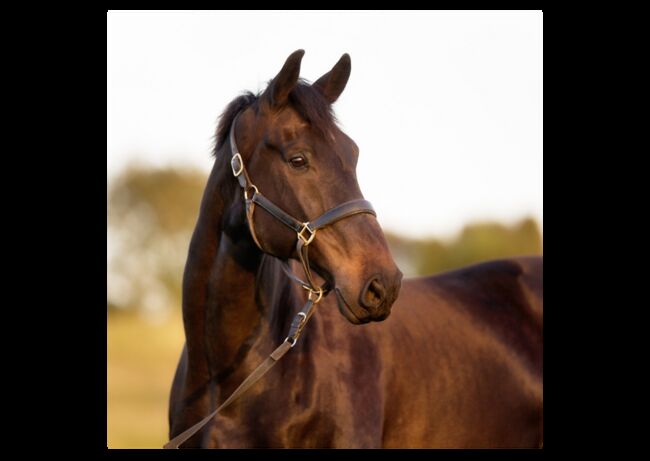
467 352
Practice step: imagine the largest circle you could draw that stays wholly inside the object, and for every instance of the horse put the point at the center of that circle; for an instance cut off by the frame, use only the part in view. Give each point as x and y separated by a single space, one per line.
451 360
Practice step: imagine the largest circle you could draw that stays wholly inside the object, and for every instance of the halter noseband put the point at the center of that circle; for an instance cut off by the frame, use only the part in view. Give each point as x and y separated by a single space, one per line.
305 231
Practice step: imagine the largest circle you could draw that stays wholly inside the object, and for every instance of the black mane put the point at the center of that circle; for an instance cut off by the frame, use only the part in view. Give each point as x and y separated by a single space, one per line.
306 100
237 105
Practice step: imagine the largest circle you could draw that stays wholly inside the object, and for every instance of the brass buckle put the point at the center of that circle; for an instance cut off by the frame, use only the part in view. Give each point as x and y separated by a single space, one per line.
313 292
236 171
312 233
252 186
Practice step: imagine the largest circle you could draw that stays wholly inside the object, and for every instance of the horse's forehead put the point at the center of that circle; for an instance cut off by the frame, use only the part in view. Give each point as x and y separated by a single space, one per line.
289 123
292 130
289 126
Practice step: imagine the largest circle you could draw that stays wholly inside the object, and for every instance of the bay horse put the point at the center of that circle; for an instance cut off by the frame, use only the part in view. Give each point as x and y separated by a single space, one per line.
458 362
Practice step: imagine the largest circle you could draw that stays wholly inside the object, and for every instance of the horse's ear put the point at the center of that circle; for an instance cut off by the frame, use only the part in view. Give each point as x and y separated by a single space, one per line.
332 84
278 90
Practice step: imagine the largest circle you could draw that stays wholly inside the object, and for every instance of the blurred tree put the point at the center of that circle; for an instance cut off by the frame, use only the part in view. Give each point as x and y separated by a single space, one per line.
476 242
151 215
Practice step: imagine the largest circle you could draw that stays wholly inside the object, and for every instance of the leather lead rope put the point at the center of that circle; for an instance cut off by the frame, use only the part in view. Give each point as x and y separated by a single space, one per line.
297 326
306 231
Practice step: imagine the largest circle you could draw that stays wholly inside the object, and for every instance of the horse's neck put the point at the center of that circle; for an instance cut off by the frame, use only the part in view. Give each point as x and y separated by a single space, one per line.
231 294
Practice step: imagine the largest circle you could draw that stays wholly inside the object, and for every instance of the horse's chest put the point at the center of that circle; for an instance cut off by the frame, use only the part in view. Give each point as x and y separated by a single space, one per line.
319 405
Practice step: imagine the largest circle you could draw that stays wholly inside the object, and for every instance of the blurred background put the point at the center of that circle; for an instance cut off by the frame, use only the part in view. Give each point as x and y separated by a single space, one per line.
446 108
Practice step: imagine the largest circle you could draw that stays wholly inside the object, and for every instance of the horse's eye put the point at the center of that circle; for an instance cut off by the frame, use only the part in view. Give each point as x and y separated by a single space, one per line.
298 161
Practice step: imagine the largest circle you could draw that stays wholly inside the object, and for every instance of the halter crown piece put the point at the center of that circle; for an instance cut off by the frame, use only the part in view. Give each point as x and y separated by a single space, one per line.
305 234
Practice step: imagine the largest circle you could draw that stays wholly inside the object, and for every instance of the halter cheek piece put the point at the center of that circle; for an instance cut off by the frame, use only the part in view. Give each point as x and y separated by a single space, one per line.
305 235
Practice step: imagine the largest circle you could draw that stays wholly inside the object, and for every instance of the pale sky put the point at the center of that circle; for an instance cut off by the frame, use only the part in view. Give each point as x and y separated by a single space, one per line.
446 107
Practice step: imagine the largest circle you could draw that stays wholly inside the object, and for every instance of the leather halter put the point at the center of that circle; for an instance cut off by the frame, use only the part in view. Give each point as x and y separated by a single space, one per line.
305 231
305 234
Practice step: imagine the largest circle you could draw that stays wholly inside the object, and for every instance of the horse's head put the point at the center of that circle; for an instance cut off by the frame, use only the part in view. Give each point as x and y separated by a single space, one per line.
300 160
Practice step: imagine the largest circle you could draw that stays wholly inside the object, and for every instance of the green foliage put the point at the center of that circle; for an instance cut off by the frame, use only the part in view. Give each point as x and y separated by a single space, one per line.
171 195
152 213
476 242
151 216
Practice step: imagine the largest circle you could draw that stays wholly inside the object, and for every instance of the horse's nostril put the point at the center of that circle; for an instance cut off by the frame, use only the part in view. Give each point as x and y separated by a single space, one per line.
374 294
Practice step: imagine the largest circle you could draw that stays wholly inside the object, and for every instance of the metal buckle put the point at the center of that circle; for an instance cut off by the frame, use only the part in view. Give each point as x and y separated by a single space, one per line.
292 341
236 171
305 226
252 186
313 292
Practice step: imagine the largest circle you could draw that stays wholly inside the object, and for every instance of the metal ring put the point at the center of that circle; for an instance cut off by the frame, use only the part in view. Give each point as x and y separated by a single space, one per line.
319 292
236 171
288 340
252 186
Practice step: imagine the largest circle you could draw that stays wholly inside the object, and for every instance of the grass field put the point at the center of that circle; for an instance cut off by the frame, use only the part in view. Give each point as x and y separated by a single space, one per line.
142 359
